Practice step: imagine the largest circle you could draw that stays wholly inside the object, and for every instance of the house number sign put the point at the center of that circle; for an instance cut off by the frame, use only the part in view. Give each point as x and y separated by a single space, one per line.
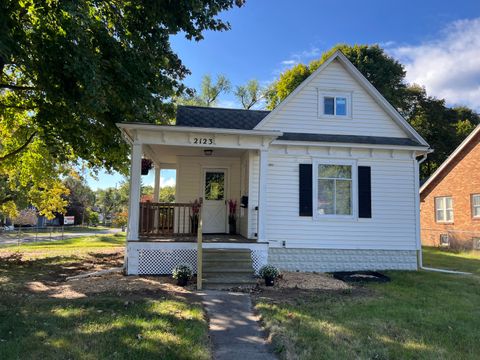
204 141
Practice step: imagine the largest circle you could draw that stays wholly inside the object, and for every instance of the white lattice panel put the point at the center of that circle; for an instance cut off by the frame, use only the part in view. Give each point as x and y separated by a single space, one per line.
162 261
259 259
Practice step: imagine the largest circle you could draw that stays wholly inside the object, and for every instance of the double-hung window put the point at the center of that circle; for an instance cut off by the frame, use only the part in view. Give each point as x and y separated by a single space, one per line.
334 189
476 206
444 209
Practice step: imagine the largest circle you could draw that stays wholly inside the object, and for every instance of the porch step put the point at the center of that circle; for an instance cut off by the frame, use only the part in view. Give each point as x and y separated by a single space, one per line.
227 268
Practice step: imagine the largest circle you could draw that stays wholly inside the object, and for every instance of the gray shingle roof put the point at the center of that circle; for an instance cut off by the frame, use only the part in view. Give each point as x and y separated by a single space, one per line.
355 139
210 117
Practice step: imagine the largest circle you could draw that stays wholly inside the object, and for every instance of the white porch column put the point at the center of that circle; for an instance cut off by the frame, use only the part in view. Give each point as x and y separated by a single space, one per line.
134 201
156 184
262 195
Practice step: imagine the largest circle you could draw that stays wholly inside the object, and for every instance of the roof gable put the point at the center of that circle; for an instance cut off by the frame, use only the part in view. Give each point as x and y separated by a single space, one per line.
454 157
391 123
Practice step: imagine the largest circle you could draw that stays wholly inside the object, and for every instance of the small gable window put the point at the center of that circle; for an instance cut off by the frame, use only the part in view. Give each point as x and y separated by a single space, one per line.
334 105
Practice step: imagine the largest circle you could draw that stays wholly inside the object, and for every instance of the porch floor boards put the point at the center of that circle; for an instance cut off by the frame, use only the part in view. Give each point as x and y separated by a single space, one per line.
207 238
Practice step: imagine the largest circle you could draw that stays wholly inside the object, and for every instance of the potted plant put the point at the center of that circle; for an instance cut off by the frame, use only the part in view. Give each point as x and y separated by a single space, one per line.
269 273
147 164
194 216
232 216
182 273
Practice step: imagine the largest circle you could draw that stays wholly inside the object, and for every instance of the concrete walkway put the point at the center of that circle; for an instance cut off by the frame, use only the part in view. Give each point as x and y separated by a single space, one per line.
234 329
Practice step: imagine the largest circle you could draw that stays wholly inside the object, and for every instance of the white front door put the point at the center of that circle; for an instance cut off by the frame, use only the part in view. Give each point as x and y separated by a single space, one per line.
214 213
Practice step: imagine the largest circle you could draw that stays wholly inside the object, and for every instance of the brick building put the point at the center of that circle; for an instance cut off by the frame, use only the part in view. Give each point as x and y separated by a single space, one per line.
450 199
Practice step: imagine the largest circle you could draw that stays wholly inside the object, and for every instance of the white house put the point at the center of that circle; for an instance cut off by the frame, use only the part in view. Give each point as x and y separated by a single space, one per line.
328 181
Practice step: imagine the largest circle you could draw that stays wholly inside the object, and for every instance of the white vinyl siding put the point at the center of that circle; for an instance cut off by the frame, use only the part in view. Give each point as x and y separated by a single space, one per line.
393 222
301 114
444 209
476 205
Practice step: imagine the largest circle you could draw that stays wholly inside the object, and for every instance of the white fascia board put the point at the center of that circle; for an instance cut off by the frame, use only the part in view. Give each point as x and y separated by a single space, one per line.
188 129
422 149
450 158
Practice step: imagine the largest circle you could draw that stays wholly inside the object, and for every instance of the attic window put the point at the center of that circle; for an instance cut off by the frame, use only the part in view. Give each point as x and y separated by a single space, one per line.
334 105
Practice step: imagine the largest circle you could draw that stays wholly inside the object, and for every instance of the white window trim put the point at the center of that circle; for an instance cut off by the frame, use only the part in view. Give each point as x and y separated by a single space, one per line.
353 164
333 93
473 206
443 210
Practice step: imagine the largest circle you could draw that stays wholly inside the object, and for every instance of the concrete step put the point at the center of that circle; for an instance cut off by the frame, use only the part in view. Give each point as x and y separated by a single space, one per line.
220 256
229 277
224 270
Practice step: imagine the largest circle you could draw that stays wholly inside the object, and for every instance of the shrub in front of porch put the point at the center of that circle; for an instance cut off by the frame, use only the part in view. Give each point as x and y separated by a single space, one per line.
182 273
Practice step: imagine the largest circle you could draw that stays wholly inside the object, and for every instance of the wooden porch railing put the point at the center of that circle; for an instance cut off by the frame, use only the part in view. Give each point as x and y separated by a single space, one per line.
168 219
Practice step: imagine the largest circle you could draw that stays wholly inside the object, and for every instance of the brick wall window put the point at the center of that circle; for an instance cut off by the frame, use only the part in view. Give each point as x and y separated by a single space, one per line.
476 205
444 209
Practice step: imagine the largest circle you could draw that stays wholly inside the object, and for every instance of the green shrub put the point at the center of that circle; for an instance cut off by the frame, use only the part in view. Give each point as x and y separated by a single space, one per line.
269 272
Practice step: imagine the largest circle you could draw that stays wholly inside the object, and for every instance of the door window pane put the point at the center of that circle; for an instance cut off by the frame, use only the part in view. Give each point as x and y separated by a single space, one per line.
341 106
214 185
329 107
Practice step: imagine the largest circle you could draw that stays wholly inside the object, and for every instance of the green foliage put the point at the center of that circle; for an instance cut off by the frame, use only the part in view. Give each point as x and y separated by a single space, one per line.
80 199
167 194
249 94
79 67
209 92
182 272
268 272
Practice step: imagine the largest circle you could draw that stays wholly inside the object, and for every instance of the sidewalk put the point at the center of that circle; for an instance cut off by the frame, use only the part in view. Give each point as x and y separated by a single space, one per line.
234 328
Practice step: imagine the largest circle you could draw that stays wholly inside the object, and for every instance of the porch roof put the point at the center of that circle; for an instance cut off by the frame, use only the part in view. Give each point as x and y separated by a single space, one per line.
210 117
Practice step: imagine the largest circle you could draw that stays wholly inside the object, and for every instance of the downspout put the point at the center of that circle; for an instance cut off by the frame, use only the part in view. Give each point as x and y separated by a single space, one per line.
419 241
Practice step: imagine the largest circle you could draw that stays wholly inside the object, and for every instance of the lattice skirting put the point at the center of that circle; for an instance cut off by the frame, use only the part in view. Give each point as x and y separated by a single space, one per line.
160 258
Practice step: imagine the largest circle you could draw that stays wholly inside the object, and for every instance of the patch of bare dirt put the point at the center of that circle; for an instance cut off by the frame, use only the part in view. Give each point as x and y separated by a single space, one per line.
110 283
309 281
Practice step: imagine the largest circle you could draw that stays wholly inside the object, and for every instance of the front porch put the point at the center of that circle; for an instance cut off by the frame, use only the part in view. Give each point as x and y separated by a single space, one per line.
214 169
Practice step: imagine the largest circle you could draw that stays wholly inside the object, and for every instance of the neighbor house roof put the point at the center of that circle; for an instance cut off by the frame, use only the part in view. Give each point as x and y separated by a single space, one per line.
453 157
220 118
355 139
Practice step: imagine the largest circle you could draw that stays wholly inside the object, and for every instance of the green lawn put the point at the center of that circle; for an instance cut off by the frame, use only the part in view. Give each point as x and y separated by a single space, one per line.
120 324
418 315
468 261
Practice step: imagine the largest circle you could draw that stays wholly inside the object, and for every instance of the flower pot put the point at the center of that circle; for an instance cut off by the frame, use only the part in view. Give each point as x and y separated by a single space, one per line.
269 281
182 281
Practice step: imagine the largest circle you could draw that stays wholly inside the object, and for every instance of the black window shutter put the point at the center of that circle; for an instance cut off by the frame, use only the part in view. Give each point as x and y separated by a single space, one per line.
305 190
364 192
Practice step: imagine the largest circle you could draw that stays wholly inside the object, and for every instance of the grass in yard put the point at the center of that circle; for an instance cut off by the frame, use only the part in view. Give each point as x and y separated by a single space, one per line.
468 261
120 324
418 315
68 246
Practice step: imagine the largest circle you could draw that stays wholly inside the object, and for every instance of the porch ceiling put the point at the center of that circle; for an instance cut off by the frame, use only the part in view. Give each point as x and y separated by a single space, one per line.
168 153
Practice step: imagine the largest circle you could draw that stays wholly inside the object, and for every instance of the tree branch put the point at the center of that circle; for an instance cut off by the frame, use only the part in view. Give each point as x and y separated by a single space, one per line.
17 87
21 148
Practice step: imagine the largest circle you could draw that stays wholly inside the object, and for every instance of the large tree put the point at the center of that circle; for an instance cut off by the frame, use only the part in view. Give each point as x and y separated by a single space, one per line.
81 66
71 69
209 92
